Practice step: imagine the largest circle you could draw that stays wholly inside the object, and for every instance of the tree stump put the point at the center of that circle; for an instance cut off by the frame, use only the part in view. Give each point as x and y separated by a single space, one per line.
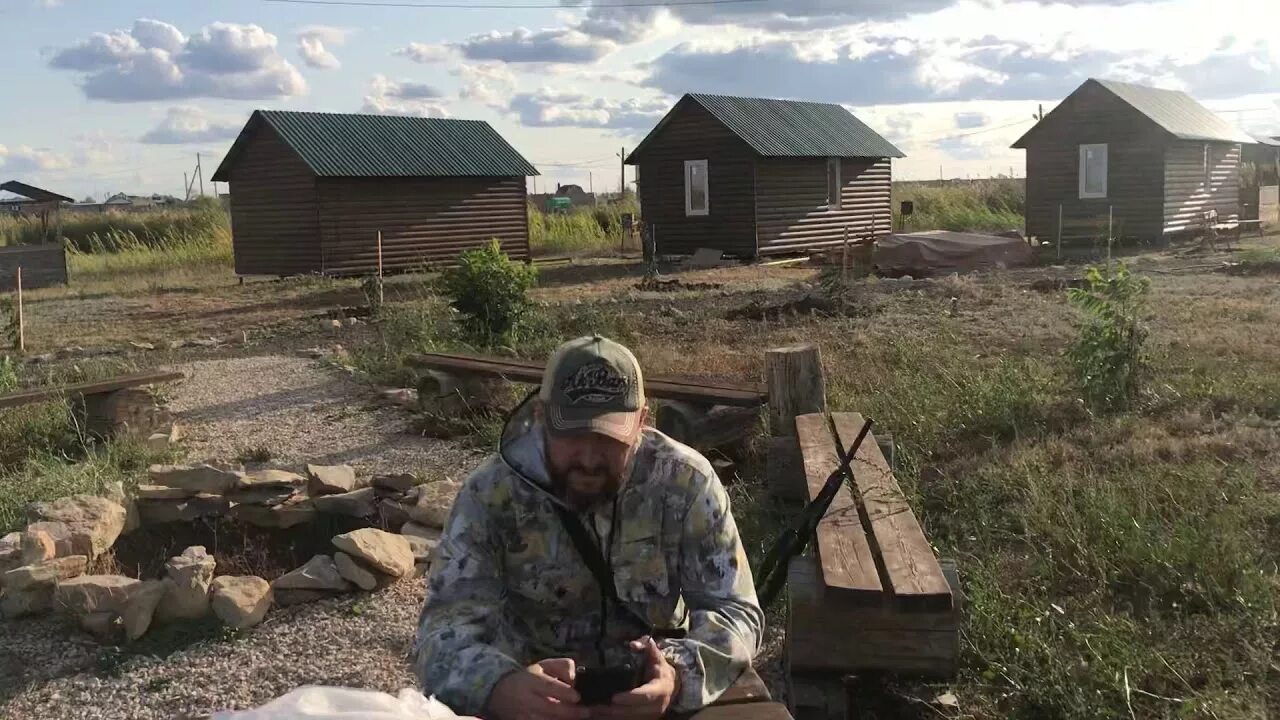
796 386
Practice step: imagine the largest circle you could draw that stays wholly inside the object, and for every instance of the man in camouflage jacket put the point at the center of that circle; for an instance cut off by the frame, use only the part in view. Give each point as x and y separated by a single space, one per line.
512 608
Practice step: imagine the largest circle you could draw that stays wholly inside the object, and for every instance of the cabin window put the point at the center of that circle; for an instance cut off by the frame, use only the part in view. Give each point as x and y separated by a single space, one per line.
1093 171
696 188
833 183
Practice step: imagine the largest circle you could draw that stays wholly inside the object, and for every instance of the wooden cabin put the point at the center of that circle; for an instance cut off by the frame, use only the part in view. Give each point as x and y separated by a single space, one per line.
753 177
311 191
1147 162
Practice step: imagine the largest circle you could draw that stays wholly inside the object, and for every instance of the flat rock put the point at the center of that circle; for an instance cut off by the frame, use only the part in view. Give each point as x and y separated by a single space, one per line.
421 547
351 570
278 516
88 594
10 551
240 601
357 503
331 479
38 546
285 598
21 603
97 517
158 512
106 626
140 607
318 574
114 491
271 478
197 478
268 495
161 492
67 541
392 514
434 502
187 580
404 397
45 574
422 531
385 552
399 483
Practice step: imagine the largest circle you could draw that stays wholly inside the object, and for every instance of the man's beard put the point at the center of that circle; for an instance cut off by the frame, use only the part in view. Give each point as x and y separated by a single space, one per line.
581 488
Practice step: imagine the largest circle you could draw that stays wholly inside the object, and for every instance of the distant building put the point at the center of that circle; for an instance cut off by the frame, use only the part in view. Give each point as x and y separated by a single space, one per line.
1151 162
310 192
753 177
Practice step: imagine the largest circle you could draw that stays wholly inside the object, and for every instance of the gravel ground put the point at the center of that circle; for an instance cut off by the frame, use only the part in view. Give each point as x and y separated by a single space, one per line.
49 671
302 411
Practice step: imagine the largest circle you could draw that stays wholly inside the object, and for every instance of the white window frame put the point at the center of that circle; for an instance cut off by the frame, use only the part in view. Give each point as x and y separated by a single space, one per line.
689 210
1106 169
833 202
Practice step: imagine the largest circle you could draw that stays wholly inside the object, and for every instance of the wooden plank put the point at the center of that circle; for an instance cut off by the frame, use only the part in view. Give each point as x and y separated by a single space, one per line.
525 371
826 632
915 578
848 567
96 387
749 711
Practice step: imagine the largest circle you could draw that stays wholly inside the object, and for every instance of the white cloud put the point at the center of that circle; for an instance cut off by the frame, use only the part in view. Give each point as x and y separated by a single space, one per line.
390 97
426 52
548 108
562 45
26 159
487 83
314 42
185 124
155 61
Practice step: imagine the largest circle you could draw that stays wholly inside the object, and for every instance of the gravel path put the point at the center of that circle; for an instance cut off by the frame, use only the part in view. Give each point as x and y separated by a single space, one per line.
301 411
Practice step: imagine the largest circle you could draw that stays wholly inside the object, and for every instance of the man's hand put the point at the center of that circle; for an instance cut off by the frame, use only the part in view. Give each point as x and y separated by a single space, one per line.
542 691
651 700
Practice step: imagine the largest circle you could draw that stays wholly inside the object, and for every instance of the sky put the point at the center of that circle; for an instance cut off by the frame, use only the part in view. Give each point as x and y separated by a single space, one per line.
105 96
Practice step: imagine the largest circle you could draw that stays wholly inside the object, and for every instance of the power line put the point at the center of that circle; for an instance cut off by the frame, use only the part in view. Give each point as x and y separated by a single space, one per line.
512 6
978 132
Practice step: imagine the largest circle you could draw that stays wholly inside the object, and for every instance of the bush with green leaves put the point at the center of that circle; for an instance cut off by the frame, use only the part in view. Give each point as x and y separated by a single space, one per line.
8 374
490 292
1107 357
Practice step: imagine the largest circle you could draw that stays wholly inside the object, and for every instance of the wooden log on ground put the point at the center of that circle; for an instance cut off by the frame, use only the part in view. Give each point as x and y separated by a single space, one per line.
796 386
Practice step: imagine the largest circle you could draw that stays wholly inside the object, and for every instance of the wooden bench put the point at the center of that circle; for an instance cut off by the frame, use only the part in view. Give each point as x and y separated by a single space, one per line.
747 699
108 407
702 413
875 597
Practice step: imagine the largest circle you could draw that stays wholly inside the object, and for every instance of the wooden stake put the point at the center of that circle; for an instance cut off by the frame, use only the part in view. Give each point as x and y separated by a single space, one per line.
796 386
844 259
22 323
1059 230
380 296
1110 211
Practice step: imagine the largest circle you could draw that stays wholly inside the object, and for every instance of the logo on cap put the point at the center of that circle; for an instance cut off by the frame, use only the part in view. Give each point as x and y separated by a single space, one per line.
594 383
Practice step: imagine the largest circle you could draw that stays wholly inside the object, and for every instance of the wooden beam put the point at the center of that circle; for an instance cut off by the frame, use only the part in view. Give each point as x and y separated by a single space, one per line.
914 576
848 566
796 386
527 371
96 387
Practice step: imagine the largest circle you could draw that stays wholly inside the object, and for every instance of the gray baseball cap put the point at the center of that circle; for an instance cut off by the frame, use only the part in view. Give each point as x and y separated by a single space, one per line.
593 384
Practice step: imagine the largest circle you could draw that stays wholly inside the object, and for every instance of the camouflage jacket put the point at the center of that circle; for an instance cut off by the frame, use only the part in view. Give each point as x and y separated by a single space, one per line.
508 588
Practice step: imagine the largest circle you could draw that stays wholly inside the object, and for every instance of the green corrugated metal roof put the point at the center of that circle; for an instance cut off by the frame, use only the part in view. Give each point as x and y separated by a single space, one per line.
789 128
349 145
1177 112
1174 111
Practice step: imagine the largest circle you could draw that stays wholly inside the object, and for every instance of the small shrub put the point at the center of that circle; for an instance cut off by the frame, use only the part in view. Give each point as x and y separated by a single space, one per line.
8 323
255 454
490 294
1107 358
8 375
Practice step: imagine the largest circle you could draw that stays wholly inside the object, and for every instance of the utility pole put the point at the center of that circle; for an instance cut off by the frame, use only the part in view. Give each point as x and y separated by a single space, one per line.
200 172
591 182
622 173
1040 112
186 188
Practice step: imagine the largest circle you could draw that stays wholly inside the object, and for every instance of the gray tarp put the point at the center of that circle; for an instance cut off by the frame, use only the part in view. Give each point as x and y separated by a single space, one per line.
942 252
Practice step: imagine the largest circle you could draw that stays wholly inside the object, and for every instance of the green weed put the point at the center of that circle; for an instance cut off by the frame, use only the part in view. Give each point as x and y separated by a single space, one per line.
997 204
1108 358
582 231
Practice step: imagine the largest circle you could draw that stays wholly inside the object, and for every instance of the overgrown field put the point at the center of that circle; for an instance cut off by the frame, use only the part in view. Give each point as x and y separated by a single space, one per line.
581 231
1119 559
992 205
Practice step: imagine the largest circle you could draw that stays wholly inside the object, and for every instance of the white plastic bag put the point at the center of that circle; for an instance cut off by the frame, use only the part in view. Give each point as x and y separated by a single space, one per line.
315 702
